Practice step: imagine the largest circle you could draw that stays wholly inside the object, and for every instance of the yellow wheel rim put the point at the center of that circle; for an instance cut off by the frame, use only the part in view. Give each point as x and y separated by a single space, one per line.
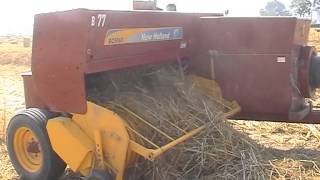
28 149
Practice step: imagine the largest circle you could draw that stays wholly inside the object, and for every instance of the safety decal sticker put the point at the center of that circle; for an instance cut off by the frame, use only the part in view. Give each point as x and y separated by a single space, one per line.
140 35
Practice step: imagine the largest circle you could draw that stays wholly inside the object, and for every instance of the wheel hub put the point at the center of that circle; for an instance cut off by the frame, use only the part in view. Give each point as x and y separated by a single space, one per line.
28 149
33 147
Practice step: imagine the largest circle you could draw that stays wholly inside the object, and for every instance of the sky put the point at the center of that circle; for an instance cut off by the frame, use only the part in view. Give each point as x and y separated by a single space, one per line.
16 16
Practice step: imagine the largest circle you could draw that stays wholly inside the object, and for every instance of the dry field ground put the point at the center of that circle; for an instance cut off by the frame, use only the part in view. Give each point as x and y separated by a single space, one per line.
295 147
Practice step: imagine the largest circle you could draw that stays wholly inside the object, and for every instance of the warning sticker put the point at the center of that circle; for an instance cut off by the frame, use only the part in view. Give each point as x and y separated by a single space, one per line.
140 35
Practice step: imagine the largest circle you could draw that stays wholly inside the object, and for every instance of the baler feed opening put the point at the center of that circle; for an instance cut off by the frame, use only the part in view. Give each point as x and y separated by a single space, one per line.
133 93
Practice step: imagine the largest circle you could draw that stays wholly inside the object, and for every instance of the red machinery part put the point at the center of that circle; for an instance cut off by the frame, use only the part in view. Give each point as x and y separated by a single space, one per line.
67 45
262 63
256 64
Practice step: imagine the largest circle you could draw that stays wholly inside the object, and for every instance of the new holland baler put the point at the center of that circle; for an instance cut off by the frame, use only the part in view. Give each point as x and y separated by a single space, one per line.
262 66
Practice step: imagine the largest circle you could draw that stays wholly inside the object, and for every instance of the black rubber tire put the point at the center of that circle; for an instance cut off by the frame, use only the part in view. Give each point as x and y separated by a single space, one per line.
35 119
314 72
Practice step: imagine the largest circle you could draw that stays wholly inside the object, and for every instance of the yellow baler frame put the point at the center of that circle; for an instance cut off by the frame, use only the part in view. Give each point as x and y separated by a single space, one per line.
109 140
99 139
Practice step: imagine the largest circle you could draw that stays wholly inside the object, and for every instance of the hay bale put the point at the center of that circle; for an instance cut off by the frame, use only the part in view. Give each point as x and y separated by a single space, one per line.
162 97
26 42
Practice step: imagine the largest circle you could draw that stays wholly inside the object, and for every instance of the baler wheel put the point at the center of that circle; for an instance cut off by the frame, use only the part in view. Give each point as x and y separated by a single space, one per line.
29 147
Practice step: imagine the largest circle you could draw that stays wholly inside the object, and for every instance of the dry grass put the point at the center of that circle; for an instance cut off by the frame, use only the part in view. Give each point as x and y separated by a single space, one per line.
11 92
12 51
314 37
6 169
291 149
